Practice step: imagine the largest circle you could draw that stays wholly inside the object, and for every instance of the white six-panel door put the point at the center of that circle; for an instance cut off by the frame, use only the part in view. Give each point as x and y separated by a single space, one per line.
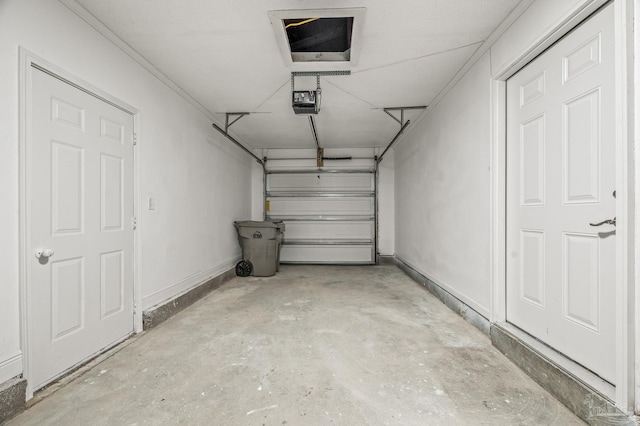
560 178
81 187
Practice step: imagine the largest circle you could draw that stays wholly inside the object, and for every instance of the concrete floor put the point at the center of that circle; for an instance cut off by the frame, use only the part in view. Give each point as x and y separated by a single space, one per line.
314 345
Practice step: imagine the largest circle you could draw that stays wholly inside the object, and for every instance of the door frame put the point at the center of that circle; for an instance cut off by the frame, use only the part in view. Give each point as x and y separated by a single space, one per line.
626 164
27 62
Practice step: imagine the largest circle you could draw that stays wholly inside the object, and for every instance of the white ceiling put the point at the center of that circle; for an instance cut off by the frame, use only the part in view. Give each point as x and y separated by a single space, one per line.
224 54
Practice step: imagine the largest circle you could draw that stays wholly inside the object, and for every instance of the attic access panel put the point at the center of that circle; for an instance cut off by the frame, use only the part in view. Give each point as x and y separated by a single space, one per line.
319 39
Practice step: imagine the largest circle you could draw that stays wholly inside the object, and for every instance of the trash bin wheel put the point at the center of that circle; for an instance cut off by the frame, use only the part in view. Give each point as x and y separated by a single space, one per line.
244 268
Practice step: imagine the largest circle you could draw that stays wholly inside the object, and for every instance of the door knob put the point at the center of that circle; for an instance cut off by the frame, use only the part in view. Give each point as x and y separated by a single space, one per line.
46 253
608 222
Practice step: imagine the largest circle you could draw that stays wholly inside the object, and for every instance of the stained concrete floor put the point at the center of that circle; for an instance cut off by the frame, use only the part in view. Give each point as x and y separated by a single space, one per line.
314 345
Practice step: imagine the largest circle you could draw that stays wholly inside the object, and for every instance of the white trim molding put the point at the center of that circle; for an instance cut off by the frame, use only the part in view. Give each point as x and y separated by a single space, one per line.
11 367
623 15
187 284
554 32
498 201
480 309
633 13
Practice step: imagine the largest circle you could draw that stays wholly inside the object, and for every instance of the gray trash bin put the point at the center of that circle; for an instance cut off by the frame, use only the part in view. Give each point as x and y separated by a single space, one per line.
260 243
279 238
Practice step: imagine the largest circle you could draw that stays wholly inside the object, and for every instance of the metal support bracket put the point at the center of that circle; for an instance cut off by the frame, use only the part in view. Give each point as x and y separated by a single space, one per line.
400 120
238 116
395 138
232 139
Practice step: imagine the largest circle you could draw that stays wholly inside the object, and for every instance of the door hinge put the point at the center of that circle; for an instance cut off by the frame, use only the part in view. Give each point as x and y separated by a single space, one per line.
134 223
135 139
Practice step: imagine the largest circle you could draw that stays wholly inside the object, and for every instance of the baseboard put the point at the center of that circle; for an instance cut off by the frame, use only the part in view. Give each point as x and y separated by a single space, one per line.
452 302
160 313
387 260
12 398
11 366
589 398
579 396
160 297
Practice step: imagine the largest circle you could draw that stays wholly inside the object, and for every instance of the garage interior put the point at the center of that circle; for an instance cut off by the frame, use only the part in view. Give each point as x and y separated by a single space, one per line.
415 286
313 345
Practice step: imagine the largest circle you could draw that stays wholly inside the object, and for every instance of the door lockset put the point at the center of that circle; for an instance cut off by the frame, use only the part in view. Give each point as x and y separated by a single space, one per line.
43 253
607 222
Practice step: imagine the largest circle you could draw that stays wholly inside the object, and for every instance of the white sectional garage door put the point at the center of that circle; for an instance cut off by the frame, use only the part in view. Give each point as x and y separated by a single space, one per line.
329 214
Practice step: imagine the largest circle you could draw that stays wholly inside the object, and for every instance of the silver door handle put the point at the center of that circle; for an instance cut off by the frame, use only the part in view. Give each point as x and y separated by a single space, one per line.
608 222
46 253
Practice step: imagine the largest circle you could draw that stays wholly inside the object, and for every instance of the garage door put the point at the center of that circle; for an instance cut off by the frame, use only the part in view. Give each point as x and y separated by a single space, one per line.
329 214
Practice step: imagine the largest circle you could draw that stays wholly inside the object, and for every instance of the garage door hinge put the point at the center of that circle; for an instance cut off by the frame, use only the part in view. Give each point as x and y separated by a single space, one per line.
134 223
135 139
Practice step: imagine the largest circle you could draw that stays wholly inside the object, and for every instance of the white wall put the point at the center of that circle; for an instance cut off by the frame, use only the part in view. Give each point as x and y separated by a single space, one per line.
386 205
442 168
257 188
442 191
201 181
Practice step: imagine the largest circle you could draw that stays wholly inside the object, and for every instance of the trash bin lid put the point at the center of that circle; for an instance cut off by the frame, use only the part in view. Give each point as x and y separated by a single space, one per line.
259 224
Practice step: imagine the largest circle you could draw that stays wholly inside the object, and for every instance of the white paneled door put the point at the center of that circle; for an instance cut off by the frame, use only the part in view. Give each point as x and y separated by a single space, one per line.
81 236
561 159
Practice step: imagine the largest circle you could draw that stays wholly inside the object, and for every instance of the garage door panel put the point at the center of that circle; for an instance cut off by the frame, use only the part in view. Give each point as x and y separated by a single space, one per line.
329 214
326 254
317 206
342 230
354 182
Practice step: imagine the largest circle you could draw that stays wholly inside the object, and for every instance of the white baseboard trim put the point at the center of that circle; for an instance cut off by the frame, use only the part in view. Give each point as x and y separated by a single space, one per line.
186 284
451 301
11 367
482 310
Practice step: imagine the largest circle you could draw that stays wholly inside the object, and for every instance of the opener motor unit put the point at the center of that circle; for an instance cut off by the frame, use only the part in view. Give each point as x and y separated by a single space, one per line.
306 101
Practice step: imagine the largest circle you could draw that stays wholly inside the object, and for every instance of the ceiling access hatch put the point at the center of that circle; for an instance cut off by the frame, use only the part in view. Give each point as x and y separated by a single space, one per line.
319 39
323 38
